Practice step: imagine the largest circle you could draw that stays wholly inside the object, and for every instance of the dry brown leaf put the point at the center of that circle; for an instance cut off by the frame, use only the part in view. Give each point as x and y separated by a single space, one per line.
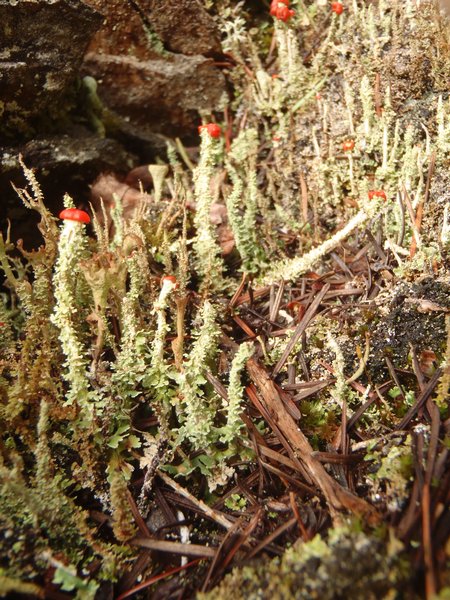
106 187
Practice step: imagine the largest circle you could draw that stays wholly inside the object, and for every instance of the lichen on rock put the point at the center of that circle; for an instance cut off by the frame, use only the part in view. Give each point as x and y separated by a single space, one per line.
348 564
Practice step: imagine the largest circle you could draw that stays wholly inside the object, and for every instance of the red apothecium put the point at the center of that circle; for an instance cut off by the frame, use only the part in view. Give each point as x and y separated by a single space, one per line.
348 145
283 13
213 129
75 214
337 7
171 278
377 194
274 5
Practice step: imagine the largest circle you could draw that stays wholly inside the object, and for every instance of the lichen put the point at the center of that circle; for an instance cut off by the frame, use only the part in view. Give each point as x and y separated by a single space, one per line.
209 261
124 348
349 563
393 475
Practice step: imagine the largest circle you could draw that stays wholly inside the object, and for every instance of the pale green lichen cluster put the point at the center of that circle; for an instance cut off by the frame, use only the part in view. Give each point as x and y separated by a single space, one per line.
347 564
45 513
232 406
244 200
391 152
96 325
196 414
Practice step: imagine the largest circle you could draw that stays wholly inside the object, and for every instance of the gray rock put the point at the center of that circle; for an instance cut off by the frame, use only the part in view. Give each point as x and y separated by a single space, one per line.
42 44
184 26
149 61
164 95
62 164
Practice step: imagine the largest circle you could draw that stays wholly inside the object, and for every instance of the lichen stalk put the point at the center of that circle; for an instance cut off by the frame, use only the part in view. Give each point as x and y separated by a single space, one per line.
209 263
66 314
243 200
232 406
157 378
197 412
289 270
132 357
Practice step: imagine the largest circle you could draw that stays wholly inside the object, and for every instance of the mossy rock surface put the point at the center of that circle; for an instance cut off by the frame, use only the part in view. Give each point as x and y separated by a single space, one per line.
349 565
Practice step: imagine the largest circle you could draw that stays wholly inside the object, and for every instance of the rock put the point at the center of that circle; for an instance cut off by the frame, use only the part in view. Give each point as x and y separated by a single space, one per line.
42 46
163 95
62 164
148 59
123 31
88 153
184 26
139 28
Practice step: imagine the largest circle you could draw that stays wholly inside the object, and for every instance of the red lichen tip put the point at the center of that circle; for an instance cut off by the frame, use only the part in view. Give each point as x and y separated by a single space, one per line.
213 129
293 305
169 278
348 145
377 194
75 214
282 12
275 4
337 7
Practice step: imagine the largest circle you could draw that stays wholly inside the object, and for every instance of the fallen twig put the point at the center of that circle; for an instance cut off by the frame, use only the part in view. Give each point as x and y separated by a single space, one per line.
307 317
152 580
337 497
175 547
210 512
421 399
